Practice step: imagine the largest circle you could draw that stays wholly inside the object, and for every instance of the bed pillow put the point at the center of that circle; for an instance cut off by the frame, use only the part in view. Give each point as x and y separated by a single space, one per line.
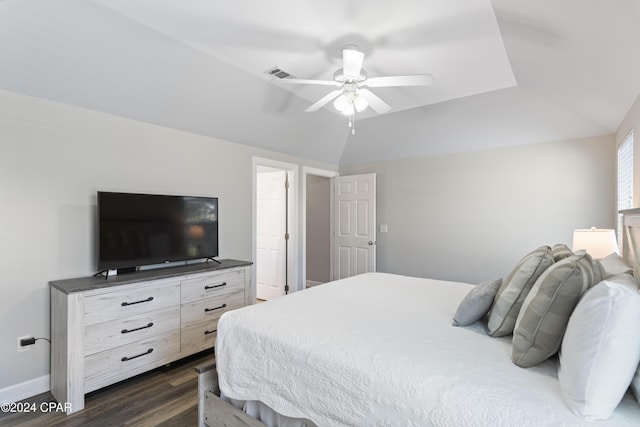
545 312
598 272
601 348
635 385
614 264
560 251
476 303
514 290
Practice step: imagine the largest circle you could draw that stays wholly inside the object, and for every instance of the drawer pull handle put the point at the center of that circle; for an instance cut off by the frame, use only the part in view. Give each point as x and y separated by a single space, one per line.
215 286
210 332
126 359
126 331
206 310
124 304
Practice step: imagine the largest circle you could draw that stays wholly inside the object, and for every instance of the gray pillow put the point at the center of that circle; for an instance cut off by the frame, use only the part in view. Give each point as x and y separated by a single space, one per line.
514 290
560 251
475 305
598 273
545 313
614 264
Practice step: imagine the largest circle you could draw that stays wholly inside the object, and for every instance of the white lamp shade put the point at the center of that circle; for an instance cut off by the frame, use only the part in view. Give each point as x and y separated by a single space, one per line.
359 102
598 242
342 103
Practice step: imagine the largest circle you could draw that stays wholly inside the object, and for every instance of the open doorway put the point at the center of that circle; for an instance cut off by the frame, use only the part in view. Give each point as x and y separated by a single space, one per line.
318 244
318 220
274 228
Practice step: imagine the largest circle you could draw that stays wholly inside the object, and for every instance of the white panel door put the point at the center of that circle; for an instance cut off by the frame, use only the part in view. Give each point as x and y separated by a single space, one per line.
355 225
270 240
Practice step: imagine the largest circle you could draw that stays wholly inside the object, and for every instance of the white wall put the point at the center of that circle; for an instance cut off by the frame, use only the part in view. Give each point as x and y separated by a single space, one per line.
471 216
53 159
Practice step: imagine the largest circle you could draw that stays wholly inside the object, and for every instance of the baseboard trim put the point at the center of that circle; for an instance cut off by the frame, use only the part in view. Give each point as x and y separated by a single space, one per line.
17 392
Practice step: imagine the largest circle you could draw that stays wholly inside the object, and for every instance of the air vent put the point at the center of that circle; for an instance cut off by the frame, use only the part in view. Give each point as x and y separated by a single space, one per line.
278 73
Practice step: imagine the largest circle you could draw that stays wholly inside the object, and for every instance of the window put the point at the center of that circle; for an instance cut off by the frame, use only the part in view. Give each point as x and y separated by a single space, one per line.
625 179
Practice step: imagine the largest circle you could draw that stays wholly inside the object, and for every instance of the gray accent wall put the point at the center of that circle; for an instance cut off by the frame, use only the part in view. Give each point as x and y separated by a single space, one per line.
53 159
471 216
463 217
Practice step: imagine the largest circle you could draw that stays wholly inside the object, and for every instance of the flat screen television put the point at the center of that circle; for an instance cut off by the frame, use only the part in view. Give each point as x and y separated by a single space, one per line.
143 229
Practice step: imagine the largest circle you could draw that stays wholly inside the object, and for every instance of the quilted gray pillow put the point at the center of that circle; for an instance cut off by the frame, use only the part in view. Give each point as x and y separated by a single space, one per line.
545 313
514 290
476 303
598 273
560 251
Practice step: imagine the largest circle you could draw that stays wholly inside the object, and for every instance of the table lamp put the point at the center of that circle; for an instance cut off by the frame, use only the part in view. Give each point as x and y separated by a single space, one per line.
598 242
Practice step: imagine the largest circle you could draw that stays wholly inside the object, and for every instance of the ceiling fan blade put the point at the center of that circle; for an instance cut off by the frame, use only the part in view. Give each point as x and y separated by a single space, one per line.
352 61
377 104
410 80
308 82
324 101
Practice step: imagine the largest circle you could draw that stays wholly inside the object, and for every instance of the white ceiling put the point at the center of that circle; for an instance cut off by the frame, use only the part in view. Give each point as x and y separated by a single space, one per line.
506 71
458 42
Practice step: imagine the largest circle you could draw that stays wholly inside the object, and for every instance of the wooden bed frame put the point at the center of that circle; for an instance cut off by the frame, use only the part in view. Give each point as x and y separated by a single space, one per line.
214 412
630 245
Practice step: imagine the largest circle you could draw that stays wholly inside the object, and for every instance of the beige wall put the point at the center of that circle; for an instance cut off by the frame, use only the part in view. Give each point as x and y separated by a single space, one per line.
471 216
53 159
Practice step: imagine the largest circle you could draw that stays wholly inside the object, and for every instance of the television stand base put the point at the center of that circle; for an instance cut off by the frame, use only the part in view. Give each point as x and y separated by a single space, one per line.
213 259
126 270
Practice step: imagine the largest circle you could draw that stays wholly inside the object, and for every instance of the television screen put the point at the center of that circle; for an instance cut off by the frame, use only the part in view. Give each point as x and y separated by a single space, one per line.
143 229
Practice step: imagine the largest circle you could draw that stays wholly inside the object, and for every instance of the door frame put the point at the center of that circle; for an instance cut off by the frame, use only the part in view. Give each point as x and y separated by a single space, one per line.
303 241
293 249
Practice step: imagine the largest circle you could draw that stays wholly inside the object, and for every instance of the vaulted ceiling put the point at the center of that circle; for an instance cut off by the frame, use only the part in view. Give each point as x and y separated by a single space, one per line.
506 71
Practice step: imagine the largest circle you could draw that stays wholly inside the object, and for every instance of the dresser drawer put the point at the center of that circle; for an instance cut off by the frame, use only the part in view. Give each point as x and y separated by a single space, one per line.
135 299
210 309
101 367
103 336
211 285
199 336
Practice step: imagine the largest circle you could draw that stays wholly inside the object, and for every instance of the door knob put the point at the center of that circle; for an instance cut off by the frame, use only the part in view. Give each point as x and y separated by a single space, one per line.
370 243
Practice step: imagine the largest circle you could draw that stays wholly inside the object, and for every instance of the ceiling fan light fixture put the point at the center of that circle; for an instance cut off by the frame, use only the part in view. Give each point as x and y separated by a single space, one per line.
344 104
360 103
349 102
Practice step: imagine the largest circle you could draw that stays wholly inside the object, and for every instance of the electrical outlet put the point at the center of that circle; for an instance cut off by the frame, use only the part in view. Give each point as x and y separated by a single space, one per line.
22 349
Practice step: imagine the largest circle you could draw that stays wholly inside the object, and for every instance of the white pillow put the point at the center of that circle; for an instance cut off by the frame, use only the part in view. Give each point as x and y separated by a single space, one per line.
601 348
635 385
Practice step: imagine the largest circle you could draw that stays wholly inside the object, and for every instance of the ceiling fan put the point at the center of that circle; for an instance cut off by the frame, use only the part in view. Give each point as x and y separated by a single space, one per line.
352 81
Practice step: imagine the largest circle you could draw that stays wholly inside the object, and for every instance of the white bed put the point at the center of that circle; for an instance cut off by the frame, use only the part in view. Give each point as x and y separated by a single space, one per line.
379 350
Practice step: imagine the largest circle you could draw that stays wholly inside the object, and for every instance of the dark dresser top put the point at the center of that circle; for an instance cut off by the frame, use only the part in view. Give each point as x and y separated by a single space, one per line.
81 284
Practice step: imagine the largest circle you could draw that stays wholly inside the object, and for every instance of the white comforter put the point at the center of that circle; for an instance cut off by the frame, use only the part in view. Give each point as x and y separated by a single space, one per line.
379 350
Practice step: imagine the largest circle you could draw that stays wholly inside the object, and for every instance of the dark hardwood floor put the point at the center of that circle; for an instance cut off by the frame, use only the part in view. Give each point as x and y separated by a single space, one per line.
166 397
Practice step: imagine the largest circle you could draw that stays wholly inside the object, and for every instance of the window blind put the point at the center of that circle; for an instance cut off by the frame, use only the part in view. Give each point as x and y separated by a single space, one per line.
625 179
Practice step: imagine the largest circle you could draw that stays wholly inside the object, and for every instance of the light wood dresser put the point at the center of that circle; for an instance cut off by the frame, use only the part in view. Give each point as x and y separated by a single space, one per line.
106 330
